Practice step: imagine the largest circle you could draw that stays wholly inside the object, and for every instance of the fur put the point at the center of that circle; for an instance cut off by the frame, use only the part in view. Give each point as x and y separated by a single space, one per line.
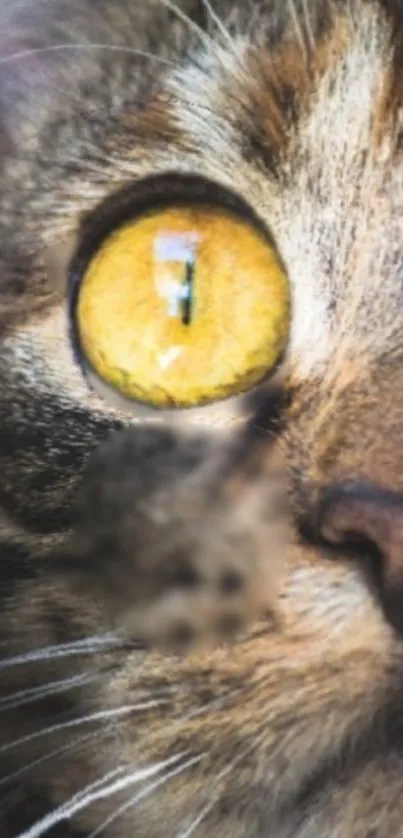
201 620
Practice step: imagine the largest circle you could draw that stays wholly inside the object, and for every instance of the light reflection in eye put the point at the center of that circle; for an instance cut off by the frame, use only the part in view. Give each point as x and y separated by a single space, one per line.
172 251
165 359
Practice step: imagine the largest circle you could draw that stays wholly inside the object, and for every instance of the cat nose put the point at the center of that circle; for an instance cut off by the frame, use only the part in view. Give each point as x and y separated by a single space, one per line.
354 511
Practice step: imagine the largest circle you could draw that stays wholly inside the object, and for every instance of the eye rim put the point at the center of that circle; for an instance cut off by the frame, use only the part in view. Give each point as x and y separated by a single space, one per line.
154 193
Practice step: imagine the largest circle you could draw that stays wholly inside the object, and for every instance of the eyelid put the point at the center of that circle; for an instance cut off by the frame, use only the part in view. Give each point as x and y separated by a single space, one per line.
153 193
226 415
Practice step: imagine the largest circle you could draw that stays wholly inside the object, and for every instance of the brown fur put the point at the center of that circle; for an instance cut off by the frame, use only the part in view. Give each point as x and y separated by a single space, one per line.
246 609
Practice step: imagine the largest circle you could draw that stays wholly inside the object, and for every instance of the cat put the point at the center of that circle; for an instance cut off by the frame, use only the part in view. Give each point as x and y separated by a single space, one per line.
201 492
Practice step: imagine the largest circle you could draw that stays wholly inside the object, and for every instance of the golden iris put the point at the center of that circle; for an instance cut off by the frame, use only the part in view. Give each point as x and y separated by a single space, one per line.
184 306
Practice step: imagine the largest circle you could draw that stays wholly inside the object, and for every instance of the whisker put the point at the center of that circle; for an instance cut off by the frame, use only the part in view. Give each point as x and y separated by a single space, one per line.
145 793
23 697
78 647
308 25
55 753
214 704
46 823
192 25
96 791
216 794
219 25
17 56
298 29
92 717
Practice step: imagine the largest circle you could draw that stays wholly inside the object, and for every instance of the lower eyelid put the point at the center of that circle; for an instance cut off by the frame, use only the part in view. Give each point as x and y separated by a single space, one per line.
222 415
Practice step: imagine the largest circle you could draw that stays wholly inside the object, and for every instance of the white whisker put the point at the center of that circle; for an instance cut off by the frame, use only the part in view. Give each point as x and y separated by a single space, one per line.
214 704
193 826
145 793
46 823
219 25
17 56
193 26
53 754
92 717
298 29
96 791
33 694
216 793
78 647
308 25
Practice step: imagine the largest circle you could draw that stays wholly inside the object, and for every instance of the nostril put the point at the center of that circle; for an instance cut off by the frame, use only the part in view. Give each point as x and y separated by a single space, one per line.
350 510
355 512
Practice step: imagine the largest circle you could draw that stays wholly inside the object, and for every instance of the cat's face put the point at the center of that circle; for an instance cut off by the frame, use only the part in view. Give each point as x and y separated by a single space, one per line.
201 628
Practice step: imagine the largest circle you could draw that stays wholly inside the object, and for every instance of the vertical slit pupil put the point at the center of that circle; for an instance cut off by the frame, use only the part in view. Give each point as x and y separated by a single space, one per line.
188 296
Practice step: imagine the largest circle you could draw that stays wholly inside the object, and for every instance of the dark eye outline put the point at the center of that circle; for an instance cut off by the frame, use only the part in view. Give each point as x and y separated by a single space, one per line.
154 193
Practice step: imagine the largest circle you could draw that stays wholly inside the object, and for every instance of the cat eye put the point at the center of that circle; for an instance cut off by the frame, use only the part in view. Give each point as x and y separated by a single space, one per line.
183 305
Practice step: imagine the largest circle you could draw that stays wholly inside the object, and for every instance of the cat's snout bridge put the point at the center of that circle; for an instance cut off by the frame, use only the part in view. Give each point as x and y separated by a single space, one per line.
354 512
